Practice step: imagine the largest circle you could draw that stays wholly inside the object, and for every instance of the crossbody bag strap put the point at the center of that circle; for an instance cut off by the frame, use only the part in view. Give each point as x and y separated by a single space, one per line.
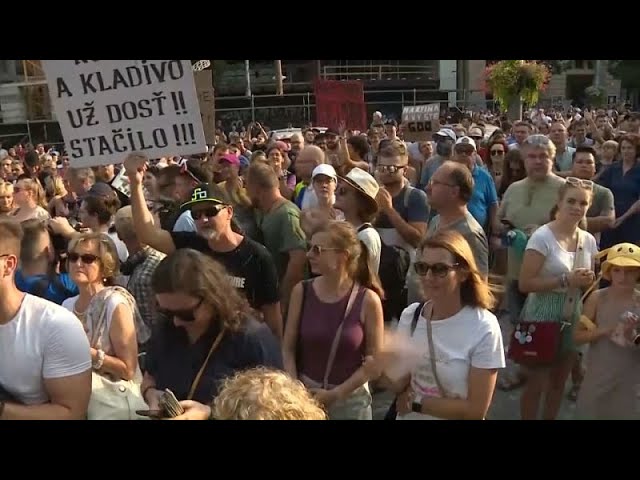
574 294
432 352
196 380
338 335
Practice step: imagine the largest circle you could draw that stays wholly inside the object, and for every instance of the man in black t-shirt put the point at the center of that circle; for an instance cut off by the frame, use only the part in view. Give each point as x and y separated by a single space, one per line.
250 266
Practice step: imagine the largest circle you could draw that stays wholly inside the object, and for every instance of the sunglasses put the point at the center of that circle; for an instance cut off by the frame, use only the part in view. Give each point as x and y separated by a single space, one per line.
186 315
390 168
439 270
85 258
209 212
497 152
580 183
318 249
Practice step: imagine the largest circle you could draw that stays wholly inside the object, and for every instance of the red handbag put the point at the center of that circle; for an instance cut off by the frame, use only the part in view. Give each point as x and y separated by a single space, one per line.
539 343
535 343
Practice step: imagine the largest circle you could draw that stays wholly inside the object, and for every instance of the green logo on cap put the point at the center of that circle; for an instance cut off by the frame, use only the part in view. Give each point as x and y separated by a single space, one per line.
199 194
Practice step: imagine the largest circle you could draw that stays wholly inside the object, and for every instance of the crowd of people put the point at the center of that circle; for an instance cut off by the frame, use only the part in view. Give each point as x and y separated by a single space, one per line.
302 278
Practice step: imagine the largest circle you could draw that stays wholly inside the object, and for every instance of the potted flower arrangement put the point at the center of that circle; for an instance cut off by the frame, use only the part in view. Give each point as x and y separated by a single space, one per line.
516 82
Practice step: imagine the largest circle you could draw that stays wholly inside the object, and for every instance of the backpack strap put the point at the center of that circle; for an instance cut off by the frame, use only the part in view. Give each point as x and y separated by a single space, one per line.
416 316
364 226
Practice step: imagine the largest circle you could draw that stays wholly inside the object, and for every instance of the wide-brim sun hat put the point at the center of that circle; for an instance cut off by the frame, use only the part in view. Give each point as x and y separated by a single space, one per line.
364 183
623 255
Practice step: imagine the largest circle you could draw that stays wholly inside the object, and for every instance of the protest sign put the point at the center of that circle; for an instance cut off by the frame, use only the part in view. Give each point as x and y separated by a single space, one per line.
110 108
420 122
206 99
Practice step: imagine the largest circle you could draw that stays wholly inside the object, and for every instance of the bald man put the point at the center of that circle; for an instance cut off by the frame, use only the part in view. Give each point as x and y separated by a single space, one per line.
308 159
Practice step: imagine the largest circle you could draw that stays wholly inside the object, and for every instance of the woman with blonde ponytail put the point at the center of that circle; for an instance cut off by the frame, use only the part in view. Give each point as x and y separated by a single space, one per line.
335 320
29 197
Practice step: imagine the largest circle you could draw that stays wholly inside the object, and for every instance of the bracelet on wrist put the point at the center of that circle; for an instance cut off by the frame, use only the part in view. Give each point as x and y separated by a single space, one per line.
99 361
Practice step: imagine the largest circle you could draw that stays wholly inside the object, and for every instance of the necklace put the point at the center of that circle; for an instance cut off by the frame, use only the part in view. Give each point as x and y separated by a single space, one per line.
80 314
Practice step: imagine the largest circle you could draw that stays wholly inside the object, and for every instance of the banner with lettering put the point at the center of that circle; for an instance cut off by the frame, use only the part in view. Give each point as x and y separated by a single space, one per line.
420 122
338 101
110 108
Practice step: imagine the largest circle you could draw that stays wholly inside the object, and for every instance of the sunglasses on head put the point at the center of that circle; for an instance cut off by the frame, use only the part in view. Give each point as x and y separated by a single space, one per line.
580 183
85 258
185 315
208 212
437 269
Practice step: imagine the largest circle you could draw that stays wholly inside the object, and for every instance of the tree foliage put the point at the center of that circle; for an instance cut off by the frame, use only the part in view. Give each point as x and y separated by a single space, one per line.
627 71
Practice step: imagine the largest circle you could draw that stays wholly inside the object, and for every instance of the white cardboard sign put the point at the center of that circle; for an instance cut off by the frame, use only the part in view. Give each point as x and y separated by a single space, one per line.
110 108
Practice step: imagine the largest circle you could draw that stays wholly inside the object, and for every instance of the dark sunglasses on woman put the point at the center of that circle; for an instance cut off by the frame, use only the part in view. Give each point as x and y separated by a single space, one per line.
437 269
86 258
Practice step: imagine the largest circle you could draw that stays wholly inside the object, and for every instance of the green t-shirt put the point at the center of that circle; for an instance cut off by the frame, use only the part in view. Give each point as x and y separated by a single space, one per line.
528 203
281 233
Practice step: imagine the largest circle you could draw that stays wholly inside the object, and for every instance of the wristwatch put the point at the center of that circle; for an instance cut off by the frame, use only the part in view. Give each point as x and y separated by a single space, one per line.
416 407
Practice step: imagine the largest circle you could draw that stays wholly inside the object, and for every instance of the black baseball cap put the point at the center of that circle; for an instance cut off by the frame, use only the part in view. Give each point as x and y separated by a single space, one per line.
201 194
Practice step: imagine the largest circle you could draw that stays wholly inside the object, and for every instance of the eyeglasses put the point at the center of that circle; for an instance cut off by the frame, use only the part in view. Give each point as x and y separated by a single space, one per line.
186 315
209 212
439 270
85 258
318 249
580 183
497 153
390 168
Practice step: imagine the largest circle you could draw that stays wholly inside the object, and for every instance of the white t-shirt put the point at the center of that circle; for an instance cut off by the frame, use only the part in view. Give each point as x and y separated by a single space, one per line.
371 238
471 338
557 260
42 341
123 252
112 302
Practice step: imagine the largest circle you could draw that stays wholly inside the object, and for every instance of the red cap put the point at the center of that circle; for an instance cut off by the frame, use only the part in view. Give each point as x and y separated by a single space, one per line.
230 158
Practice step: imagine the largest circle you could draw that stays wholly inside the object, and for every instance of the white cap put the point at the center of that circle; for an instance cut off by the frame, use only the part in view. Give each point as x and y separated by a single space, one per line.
325 169
447 132
466 141
475 132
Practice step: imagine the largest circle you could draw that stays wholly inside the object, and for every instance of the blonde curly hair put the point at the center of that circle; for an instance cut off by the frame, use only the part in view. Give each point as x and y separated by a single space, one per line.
265 394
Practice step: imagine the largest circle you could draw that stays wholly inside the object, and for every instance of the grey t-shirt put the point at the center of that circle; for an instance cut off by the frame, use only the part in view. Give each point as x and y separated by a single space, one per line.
602 202
473 233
